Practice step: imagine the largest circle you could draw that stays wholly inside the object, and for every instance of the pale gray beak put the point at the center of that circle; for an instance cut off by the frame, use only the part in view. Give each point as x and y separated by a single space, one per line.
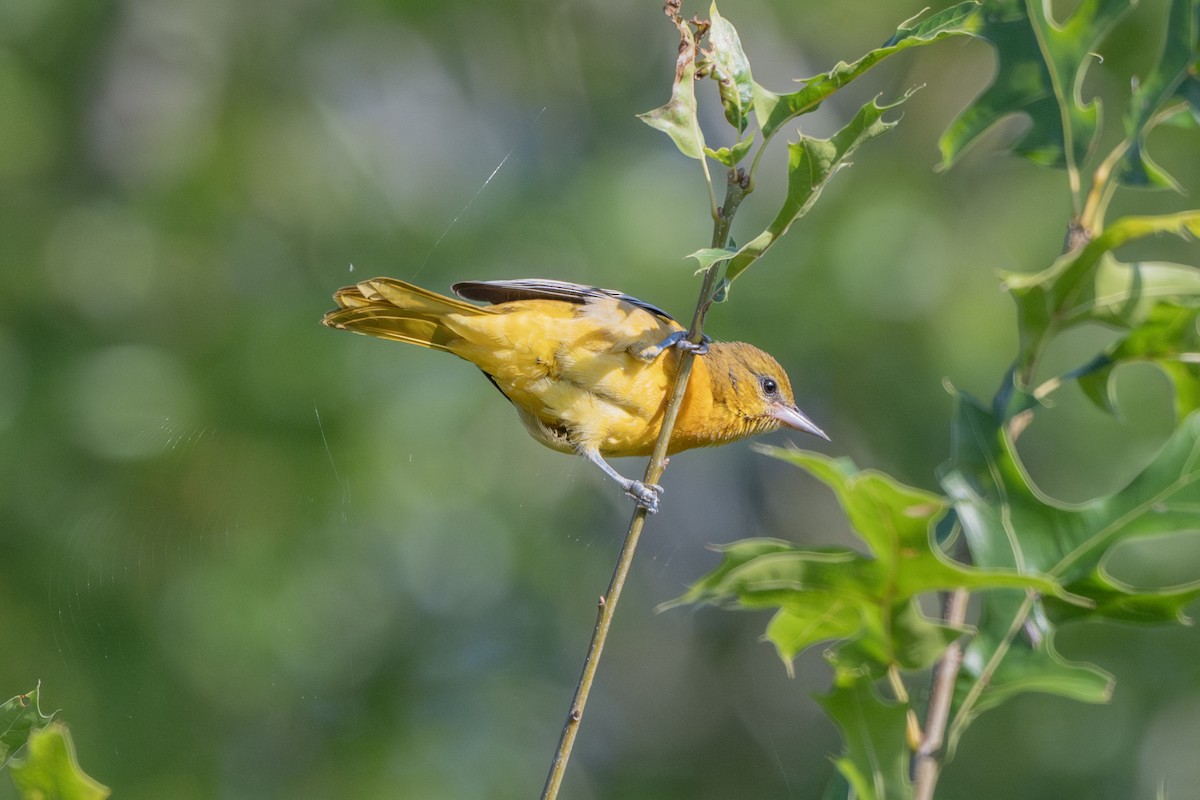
793 417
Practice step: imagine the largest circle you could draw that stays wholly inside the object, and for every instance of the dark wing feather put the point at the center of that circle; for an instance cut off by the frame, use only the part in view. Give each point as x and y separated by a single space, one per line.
538 289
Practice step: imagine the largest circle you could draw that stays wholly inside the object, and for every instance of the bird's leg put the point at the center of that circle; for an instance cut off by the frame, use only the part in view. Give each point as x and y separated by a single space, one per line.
677 339
645 494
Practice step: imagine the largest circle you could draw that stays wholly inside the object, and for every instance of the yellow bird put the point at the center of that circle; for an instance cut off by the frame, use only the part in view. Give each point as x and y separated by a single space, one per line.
587 369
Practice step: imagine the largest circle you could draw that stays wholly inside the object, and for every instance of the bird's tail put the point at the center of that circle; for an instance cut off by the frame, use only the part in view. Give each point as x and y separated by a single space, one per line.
392 309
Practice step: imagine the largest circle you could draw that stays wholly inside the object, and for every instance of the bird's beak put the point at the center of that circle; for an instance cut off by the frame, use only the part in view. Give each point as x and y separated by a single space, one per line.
794 418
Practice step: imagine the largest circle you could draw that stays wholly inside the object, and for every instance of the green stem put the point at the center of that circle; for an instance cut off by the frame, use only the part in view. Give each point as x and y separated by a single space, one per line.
1064 95
963 716
1091 219
736 189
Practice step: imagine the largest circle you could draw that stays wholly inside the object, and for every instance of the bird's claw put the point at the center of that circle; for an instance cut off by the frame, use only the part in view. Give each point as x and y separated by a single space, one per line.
677 339
645 495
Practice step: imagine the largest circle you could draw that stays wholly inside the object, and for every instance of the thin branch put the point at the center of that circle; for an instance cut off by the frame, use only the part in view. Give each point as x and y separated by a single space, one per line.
927 762
736 189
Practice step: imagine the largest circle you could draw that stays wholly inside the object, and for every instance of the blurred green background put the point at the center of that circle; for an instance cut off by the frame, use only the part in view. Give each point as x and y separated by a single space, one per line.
250 557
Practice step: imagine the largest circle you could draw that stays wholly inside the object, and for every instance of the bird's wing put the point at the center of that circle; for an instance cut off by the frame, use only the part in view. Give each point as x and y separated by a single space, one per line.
540 289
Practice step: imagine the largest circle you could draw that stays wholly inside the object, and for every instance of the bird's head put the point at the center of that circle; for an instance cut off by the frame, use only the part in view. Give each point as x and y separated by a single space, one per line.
756 388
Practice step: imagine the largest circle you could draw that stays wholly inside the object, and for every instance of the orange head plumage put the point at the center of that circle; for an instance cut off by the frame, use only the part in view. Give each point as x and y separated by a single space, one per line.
750 394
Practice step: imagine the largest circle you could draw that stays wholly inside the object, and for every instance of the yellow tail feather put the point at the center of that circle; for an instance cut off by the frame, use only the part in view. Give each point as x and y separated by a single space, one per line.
392 309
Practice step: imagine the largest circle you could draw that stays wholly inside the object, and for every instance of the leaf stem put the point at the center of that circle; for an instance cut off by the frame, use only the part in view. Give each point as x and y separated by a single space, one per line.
1091 219
927 763
963 716
737 187
912 729
1063 94
712 195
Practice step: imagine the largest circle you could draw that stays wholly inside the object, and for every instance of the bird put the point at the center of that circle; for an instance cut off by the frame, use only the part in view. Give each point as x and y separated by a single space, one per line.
589 370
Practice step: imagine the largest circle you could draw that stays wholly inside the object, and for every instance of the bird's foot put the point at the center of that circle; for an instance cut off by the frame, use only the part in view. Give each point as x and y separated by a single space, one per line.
646 495
677 339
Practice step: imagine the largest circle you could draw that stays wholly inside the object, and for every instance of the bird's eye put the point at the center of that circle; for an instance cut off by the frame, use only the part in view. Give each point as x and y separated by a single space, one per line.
768 385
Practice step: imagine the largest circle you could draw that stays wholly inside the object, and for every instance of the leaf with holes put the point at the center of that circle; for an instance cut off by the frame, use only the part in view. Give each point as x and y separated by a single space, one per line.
1009 524
867 603
1041 68
1000 664
1170 88
1167 337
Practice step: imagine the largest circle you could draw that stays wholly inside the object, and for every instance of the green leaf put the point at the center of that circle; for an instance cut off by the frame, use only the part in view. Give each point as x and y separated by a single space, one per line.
1187 116
730 156
1121 601
901 635
1167 336
677 118
1041 69
1155 302
876 757
1184 374
1126 295
1161 94
811 164
866 602
707 256
1000 667
49 770
774 110
731 70
1087 286
1009 524
19 716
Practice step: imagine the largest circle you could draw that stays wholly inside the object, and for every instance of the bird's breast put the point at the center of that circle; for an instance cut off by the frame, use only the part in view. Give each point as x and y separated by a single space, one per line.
571 371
